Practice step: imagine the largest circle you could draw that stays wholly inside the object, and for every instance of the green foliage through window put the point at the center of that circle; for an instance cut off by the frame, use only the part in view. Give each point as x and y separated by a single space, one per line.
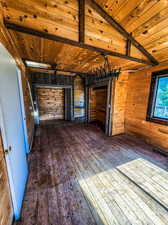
161 106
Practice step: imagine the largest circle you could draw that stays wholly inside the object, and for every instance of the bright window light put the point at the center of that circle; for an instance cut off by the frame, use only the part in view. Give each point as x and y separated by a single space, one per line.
37 65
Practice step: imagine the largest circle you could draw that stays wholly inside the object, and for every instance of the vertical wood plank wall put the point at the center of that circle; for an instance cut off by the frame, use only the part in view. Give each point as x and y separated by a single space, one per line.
98 99
101 102
6 211
79 97
136 109
92 105
51 103
28 107
119 96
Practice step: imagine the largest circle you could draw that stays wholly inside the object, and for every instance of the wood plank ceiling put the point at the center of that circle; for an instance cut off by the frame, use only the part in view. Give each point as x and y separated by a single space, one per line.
145 20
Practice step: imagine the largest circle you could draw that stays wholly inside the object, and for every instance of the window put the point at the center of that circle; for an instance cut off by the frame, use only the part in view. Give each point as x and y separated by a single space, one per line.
158 100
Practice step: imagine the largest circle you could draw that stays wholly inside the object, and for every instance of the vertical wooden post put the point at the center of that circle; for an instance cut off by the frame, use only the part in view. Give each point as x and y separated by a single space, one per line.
81 21
109 107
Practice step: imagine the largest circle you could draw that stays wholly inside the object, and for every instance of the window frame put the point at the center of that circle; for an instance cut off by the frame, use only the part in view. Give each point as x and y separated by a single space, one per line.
152 97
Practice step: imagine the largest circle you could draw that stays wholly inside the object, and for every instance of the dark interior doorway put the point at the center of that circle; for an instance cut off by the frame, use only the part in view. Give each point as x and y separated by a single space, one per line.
98 103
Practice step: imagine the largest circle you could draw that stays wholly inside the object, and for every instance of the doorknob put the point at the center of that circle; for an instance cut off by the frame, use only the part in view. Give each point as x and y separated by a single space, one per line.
7 151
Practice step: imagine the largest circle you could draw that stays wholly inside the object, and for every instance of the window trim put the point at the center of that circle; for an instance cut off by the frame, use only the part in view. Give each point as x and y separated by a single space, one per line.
152 97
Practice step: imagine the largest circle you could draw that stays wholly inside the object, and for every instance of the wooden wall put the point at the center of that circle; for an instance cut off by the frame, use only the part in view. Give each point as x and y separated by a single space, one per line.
92 105
119 95
6 211
101 103
51 103
136 109
97 105
28 106
79 98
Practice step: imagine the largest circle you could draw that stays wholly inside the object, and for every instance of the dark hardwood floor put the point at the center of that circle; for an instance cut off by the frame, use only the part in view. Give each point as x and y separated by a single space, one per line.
74 179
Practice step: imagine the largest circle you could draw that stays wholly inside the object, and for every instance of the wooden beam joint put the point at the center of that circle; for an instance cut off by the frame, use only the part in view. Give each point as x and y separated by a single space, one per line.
71 42
128 47
121 30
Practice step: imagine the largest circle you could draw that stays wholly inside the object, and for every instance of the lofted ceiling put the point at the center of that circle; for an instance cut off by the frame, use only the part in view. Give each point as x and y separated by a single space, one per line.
145 20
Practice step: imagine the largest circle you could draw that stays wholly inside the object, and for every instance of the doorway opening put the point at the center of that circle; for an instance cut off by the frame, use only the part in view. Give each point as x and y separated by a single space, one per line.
51 103
54 102
98 103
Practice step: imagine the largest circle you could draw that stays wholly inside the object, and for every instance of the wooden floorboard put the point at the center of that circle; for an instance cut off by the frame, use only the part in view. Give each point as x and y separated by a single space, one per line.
74 179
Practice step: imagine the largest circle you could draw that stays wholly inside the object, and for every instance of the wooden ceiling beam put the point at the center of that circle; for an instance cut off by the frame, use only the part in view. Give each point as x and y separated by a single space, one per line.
81 11
128 47
121 30
52 37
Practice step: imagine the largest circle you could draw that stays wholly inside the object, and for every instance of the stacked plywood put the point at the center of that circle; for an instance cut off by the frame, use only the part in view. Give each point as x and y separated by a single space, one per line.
6 211
51 103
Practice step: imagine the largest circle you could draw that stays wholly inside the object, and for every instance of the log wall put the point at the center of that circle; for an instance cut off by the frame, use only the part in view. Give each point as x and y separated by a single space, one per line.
6 211
136 110
51 103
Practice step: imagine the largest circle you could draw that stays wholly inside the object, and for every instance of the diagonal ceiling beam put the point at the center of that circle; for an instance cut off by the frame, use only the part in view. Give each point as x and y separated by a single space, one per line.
52 37
121 30
81 11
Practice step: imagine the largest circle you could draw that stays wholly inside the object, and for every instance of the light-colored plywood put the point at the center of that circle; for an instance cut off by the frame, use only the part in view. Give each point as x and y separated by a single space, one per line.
149 177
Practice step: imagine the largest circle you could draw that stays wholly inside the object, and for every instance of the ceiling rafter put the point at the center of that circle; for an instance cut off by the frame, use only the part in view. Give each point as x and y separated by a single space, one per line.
121 30
53 37
81 12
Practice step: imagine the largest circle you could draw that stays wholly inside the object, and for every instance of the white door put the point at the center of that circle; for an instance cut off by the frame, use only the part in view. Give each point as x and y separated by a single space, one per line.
11 121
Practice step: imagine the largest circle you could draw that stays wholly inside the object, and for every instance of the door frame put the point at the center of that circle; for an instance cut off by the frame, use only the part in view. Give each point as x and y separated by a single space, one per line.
7 159
71 97
21 95
110 84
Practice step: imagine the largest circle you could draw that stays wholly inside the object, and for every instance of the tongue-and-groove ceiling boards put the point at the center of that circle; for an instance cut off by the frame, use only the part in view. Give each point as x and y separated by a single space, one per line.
135 31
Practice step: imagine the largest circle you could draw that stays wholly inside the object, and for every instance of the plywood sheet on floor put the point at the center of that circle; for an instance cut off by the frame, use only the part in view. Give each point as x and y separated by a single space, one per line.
149 177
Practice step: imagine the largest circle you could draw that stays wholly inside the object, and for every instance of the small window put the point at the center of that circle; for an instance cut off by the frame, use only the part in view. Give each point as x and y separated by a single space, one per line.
158 100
